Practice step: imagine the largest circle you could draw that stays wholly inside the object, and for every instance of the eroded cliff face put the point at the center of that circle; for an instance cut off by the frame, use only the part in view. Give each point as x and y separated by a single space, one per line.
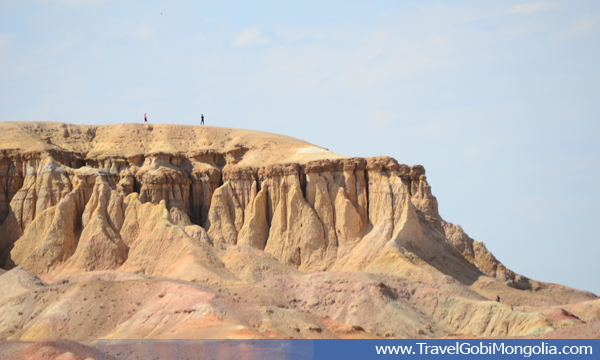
67 211
72 208
224 206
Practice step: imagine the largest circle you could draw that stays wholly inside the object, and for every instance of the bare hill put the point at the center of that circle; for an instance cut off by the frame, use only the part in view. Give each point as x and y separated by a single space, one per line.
164 231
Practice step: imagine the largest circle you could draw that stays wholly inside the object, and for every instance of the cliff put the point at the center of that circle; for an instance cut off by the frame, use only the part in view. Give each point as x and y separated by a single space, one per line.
350 246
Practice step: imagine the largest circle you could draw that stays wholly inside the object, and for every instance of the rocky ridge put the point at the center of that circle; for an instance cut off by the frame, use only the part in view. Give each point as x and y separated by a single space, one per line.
252 231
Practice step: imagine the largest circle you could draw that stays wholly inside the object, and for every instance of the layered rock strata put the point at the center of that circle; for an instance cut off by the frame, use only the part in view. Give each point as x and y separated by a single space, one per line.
314 214
233 208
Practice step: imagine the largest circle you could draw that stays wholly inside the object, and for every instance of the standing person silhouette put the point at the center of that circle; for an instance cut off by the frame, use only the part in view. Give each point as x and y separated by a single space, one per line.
145 118
202 119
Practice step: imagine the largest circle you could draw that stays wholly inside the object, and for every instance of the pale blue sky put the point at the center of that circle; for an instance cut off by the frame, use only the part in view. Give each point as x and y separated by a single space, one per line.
499 100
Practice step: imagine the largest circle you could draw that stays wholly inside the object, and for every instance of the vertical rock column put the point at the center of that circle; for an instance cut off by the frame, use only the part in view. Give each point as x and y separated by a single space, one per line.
243 187
255 231
228 204
421 193
241 181
11 181
317 195
100 245
204 183
225 217
53 236
326 181
45 183
5 163
380 193
296 236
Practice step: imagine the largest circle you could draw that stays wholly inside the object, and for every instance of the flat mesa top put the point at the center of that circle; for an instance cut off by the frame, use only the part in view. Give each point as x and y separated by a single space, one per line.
129 140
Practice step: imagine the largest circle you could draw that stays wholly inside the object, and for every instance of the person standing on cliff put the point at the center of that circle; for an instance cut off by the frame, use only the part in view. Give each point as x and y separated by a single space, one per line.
201 119
145 118
497 298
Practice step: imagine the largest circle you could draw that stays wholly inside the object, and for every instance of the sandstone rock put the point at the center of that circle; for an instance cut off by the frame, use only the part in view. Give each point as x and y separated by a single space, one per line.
11 181
348 220
198 234
225 217
100 245
161 181
126 183
179 218
255 230
34 182
45 183
421 193
476 253
51 238
11 232
186 252
296 237
461 241
408 232
204 182
317 195
263 236
380 194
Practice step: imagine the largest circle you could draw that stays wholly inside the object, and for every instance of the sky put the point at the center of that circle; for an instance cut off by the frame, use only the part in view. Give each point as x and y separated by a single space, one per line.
499 100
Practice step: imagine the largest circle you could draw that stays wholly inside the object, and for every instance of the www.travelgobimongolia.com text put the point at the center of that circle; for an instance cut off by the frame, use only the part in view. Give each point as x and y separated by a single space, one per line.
466 348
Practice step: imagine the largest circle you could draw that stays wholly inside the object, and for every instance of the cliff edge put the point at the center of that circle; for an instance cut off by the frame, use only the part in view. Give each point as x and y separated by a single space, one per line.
167 231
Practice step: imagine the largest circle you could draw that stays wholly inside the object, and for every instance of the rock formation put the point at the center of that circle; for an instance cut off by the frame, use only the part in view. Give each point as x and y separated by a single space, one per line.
244 231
